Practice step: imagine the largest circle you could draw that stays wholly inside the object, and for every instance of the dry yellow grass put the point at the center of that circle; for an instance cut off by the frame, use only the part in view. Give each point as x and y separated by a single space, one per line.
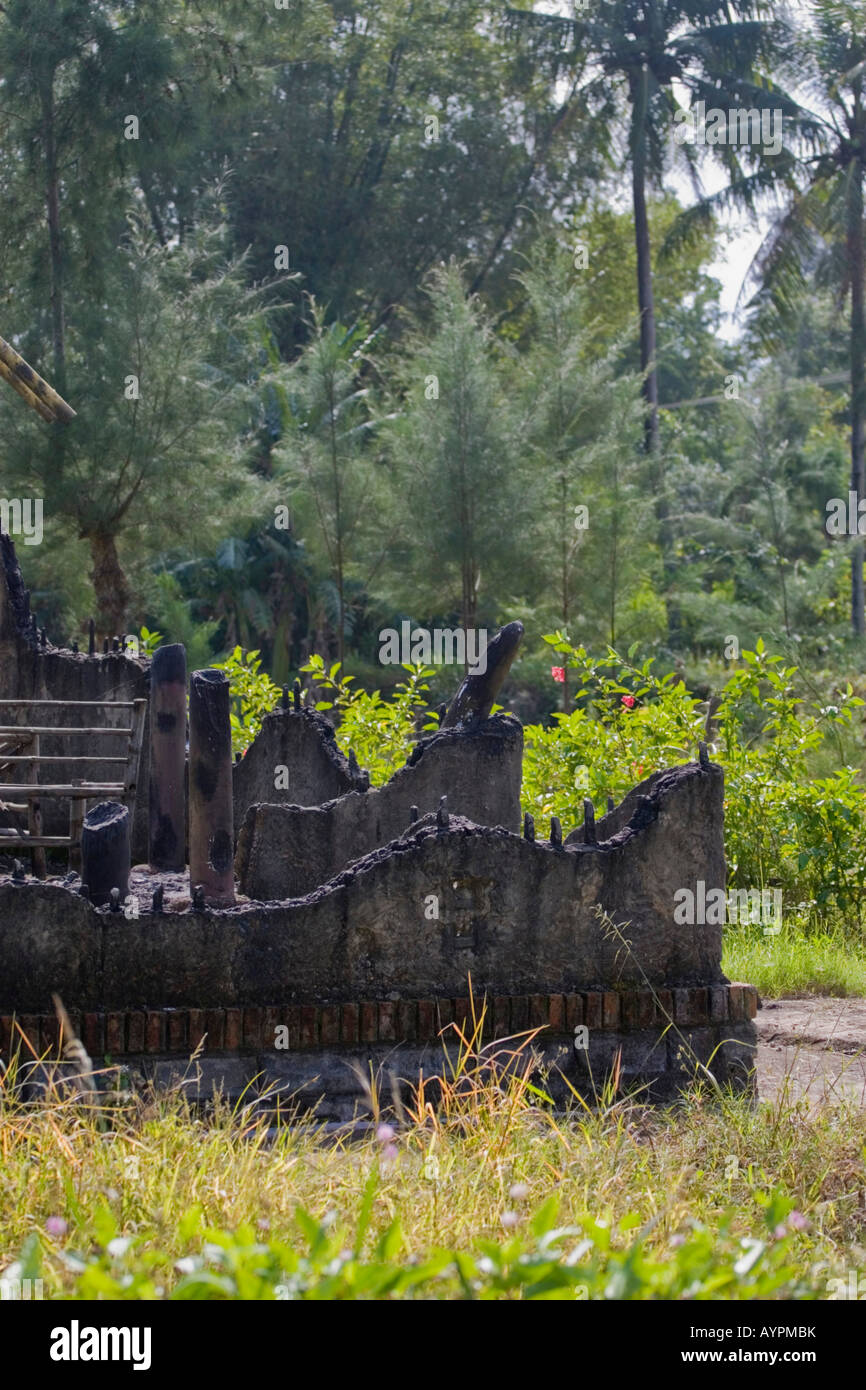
469 1169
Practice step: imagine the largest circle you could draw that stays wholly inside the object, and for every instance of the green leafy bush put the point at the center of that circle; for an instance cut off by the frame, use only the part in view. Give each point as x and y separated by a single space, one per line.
381 733
149 641
784 825
593 1260
253 695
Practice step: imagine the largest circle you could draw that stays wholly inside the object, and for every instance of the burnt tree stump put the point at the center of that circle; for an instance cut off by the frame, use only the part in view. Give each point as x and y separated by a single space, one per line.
211 824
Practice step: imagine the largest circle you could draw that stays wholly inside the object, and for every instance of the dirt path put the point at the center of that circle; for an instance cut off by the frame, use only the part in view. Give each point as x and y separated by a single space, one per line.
817 1047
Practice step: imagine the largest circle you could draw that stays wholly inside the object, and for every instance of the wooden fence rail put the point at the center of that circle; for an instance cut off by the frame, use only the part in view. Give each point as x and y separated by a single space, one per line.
77 793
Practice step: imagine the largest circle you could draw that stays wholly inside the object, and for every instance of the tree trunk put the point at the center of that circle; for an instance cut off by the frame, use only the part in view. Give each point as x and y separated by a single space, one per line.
339 558
109 584
646 308
55 247
146 184
858 382
564 604
469 601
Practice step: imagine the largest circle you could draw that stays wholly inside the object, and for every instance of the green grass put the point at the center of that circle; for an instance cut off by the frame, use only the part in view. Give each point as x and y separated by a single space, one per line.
797 961
488 1195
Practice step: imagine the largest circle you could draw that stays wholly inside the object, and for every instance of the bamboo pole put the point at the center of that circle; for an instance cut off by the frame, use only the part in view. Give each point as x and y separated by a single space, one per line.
26 394
34 814
20 374
9 730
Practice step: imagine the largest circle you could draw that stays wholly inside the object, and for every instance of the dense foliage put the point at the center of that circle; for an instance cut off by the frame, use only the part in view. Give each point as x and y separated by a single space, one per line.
347 307
355 321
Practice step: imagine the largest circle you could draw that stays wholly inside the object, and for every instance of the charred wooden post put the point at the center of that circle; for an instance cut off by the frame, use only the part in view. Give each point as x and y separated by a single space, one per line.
211 825
105 851
589 835
475 698
114 899
528 826
284 702
167 826
413 814
555 833
91 638
611 804
156 905
442 818
198 899
296 694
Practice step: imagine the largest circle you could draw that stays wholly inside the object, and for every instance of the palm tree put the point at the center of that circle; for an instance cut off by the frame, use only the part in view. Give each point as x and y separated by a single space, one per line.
649 52
819 234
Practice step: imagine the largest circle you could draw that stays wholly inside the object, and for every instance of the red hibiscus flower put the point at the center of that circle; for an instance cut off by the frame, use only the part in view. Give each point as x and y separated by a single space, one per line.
558 673
629 701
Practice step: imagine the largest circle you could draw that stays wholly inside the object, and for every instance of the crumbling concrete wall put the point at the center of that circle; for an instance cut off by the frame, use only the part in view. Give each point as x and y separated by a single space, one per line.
609 824
370 930
303 742
369 967
286 851
414 918
29 670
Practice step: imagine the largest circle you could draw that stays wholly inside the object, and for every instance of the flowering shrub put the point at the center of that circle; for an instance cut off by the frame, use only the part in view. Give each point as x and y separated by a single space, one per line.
784 825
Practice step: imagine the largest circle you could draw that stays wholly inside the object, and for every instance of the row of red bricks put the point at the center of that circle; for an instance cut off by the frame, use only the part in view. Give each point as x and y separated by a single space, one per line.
330 1025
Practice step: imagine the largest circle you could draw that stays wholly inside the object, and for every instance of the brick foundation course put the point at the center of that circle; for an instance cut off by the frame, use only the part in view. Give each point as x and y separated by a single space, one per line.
314 1027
